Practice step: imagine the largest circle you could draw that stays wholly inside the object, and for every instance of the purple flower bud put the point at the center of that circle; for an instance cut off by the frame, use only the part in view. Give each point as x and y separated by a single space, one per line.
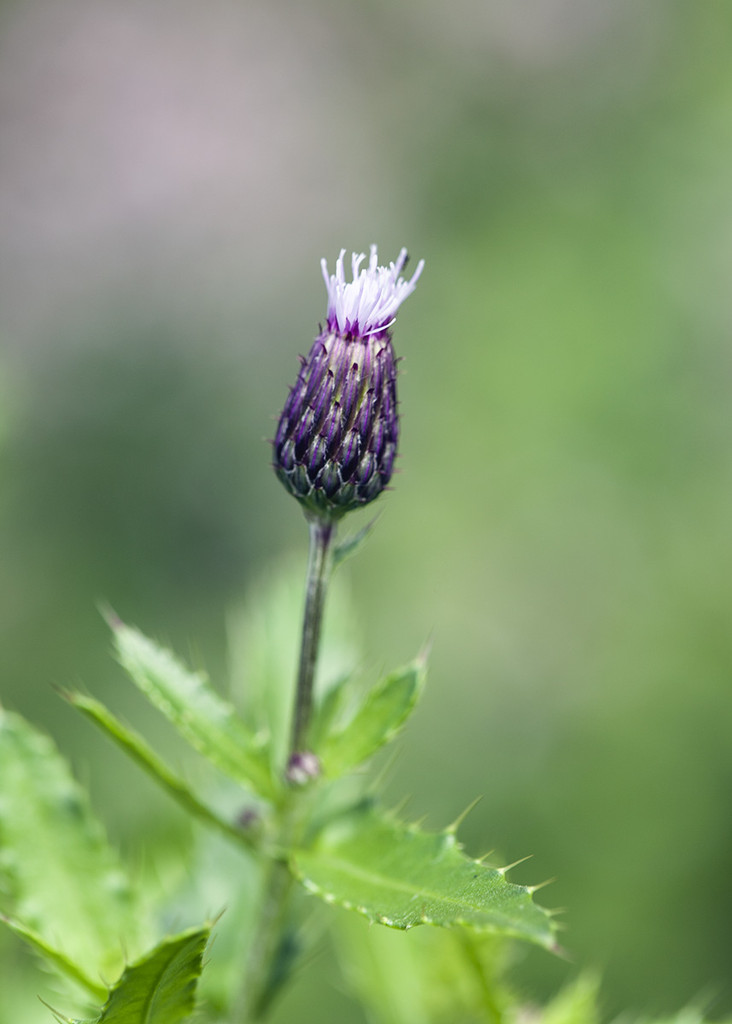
302 768
337 437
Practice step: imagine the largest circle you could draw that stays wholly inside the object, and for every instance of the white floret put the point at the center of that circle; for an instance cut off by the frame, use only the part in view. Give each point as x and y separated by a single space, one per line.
369 302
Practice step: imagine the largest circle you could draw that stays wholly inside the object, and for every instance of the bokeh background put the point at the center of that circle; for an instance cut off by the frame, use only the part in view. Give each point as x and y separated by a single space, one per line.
171 174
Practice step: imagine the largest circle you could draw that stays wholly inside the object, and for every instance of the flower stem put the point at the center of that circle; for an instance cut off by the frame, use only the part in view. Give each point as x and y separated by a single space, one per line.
269 955
322 532
260 982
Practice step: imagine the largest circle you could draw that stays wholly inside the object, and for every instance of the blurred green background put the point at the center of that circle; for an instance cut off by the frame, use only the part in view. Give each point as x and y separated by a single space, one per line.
171 175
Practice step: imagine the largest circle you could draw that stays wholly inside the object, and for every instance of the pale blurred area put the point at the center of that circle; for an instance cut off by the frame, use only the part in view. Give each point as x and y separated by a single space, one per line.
170 176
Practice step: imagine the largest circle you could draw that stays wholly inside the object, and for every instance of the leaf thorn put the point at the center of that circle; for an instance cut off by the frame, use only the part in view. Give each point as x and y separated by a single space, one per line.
509 867
531 889
424 652
398 809
59 1017
452 828
110 616
561 952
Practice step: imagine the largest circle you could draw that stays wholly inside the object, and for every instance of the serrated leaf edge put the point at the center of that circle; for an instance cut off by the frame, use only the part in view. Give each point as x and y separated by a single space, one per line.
333 900
450 839
190 934
63 963
139 751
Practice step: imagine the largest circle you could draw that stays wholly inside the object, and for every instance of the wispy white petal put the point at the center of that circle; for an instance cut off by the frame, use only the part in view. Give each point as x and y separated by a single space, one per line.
369 303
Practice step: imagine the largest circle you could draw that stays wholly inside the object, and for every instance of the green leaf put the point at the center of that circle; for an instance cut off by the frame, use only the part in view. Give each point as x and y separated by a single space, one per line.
351 545
60 881
139 750
218 876
382 714
578 1003
326 711
54 956
399 876
263 636
160 988
426 976
208 722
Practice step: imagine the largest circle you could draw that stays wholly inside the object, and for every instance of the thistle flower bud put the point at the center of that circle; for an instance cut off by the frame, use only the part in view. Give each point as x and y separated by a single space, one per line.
337 436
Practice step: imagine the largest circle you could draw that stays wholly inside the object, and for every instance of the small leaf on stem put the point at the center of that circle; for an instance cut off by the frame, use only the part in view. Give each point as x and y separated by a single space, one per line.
351 545
382 714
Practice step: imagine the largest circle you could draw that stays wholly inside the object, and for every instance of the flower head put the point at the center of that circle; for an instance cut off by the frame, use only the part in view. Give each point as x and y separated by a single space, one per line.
337 435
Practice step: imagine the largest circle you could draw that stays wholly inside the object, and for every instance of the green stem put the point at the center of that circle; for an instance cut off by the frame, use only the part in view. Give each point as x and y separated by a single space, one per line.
490 1004
269 955
261 981
322 532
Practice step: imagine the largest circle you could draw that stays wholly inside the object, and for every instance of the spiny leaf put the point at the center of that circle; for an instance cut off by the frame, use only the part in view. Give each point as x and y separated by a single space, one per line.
350 545
159 988
380 717
399 876
140 751
61 962
63 883
209 723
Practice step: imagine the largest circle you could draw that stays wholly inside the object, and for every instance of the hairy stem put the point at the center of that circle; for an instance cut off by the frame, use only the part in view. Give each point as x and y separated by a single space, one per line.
322 533
271 948
267 945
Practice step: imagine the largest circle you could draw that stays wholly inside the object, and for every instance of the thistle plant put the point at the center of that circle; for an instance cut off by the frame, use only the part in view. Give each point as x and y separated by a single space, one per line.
296 813
337 436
